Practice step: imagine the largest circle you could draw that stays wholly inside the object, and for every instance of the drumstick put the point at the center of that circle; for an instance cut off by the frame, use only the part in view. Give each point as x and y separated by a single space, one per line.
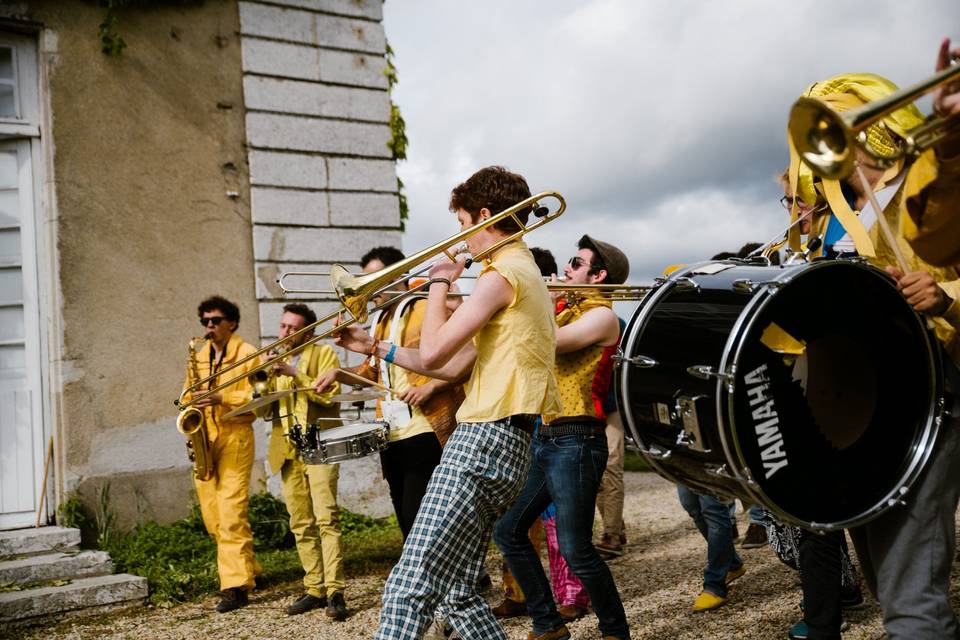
351 374
882 221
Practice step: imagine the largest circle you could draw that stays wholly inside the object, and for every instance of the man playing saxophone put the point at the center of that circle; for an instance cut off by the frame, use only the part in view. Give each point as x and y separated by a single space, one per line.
310 491
224 496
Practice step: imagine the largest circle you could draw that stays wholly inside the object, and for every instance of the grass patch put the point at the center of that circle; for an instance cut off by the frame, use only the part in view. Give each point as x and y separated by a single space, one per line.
633 461
179 560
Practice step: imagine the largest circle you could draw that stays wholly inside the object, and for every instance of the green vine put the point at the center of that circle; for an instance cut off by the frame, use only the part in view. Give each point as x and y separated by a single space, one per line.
398 136
111 42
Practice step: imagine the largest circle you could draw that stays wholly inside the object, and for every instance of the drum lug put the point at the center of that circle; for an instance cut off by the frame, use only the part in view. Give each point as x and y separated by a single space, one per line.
720 472
639 361
655 453
747 478
690 436
706 372
899 500
683 283
749 287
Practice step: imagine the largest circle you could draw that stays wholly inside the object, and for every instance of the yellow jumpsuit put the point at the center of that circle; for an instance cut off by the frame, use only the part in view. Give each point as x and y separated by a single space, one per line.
225 496
309 490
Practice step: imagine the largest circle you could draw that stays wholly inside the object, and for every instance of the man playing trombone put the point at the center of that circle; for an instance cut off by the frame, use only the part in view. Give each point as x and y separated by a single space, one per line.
224 496
502 337
309 490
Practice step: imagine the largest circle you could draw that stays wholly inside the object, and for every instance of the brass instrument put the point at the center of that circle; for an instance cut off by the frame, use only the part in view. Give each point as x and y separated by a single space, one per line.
262 380
355 292
612 292
827 140
191 423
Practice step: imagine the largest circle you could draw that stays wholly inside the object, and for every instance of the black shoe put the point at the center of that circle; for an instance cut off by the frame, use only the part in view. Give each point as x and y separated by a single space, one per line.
336 607
232 599
305 603
484 582
755 537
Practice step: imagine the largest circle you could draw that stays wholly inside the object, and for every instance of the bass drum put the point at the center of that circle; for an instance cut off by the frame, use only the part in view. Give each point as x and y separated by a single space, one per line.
813 390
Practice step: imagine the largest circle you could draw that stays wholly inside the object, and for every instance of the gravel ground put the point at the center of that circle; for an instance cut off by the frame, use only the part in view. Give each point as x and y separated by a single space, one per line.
658 578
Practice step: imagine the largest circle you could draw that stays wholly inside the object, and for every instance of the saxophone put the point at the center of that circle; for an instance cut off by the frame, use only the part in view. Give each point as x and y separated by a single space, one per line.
192 424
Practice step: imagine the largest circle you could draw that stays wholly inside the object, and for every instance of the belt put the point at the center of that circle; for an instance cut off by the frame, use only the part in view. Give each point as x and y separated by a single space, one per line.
572 429
523 421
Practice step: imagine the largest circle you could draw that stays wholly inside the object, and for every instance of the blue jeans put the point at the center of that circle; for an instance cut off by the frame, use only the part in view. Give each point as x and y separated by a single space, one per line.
566 471
712 518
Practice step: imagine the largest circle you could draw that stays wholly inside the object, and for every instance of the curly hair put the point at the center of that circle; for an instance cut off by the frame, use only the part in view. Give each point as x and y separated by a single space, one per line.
301 310
386 255
229 310
493 188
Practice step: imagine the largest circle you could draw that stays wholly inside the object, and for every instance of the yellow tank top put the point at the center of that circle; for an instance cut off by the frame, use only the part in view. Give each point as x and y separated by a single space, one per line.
583 376
514 372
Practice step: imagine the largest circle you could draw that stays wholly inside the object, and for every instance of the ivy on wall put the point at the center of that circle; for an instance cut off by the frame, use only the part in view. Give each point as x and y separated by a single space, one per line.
111 42
398 136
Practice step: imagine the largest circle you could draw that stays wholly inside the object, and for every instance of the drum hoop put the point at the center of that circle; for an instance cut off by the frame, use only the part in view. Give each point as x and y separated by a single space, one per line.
735 343
639 322
375 427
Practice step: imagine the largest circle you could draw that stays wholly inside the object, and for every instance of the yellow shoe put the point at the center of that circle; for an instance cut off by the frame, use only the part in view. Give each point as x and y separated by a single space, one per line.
706 601
733 574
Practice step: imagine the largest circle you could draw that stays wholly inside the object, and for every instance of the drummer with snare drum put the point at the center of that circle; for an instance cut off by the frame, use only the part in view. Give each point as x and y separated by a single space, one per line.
421 415
309 490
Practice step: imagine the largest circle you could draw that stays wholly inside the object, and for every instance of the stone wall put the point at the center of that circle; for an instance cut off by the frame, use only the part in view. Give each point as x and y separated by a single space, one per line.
323 181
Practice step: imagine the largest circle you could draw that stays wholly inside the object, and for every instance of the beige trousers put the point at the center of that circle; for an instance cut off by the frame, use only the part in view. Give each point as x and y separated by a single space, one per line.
310 491
610 493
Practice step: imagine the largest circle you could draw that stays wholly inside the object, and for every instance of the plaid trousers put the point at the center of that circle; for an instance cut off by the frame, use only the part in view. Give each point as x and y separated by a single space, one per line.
483 468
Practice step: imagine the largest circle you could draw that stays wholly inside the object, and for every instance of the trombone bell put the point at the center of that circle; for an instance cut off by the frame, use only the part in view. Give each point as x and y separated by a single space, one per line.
827 140
823 139
351 291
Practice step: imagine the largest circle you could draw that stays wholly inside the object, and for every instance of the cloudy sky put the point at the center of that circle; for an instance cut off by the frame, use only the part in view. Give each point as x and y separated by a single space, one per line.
662 122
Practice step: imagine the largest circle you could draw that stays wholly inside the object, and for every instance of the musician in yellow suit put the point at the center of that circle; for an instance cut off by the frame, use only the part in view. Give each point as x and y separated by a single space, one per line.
309 490
225 496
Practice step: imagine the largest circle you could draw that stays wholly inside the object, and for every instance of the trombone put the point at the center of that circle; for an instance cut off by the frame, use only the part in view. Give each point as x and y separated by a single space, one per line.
612 292
826 140
355 292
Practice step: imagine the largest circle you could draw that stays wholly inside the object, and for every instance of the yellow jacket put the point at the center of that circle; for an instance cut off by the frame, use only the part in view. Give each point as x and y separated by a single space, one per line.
235 395
302 407
931 215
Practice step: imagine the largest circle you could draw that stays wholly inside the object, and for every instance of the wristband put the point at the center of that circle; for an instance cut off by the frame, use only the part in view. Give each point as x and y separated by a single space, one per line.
391 353
435 280
373 350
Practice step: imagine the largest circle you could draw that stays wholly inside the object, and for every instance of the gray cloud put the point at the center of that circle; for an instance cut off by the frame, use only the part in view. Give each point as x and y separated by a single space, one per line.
663 123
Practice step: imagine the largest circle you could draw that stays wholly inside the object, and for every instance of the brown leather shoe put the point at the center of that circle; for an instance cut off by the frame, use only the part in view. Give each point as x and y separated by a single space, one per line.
609 546
560 633
571 612
510 609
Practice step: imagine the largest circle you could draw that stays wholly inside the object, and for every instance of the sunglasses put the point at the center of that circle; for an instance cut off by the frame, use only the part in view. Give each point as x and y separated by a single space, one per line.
216 320
787 203
576 262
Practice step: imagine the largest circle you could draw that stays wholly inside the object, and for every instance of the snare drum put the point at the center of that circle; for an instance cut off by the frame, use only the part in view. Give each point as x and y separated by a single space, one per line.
329 446
813 390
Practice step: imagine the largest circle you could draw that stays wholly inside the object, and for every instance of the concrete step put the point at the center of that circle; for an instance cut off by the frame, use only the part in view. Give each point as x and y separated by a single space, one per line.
29 542
86 595
55 566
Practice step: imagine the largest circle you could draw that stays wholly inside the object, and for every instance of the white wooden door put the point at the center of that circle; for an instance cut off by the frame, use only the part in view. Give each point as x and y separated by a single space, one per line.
21 394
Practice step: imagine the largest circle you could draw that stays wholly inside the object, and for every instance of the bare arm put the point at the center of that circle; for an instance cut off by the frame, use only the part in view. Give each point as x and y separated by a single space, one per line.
598 326
442 338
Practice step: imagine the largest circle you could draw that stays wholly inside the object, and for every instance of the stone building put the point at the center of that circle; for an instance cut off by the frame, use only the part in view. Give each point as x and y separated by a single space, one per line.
228 142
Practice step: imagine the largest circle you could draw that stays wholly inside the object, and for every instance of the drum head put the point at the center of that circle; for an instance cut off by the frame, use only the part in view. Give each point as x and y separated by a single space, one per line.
348 431
834 397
